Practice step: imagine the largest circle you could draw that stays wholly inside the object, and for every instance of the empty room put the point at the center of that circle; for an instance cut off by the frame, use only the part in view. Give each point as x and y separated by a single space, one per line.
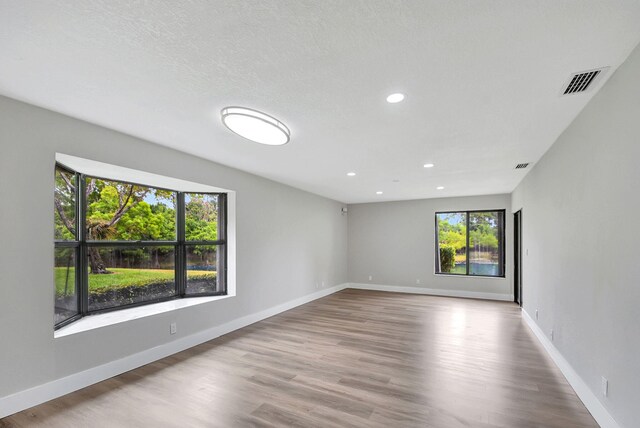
336 213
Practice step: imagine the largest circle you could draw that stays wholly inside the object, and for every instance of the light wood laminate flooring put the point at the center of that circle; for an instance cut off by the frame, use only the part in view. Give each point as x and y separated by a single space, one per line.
352 359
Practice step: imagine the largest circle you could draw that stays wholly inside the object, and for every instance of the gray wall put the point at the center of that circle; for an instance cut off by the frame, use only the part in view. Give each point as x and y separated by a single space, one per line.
580 205
394 243
287 240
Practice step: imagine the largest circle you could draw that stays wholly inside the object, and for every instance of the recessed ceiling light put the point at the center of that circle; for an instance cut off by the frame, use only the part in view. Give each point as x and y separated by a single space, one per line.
351 174
255 126
395 98
428 165
440 187
378 192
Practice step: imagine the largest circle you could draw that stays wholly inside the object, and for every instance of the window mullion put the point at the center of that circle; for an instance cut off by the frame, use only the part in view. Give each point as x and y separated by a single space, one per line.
222 217
222 267
131 243
83 277
501 236
468 250
181 253
222 235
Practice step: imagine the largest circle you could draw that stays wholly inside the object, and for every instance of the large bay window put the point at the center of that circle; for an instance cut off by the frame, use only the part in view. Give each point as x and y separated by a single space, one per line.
120 244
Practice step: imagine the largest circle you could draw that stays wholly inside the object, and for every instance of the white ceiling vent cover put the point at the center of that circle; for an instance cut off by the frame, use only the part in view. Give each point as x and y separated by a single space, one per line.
522 165
580 82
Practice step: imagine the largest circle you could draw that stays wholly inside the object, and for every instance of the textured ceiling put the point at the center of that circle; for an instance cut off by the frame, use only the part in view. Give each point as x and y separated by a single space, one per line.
482 80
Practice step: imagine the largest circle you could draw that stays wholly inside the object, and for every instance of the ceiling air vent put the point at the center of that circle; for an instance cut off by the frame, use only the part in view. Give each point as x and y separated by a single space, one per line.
522 165
580 82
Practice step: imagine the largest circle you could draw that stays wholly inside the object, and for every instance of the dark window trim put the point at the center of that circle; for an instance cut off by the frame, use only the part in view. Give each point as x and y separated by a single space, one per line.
501 243
81 244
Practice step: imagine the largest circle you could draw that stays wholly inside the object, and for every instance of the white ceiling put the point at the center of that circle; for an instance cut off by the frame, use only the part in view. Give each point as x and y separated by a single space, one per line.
482 80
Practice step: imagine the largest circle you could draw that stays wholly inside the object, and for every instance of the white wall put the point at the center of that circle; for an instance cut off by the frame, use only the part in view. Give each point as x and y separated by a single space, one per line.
394 243
580 205
287 240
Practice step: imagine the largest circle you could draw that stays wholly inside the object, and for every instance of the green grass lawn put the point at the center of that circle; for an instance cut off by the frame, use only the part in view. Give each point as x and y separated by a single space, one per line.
121 278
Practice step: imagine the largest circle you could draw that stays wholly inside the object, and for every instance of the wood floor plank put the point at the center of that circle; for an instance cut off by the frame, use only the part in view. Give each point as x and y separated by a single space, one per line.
352 359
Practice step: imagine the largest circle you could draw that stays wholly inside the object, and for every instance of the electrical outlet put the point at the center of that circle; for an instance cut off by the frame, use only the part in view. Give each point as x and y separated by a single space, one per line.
370 277
552 335
527 251
173 328
322 285
536 314
605 387
418 281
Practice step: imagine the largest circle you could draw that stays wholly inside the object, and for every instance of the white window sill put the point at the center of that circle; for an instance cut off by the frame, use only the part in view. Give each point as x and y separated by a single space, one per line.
468 276
110 318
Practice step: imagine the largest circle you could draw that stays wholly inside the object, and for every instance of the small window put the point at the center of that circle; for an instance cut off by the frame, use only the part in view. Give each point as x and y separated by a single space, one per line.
201 217
470 243
205 243
119 211
67 246
65 205
124 244
202 269
66 295
132 275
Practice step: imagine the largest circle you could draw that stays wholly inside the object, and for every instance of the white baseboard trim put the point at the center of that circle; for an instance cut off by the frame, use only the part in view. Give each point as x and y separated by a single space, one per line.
590 400
39 394
431 291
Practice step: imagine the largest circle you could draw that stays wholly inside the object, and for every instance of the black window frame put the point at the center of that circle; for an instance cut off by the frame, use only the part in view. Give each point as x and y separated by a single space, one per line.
501 243
82 244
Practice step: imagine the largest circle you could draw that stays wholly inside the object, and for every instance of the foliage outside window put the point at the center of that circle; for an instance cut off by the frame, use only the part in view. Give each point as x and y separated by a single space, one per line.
66 245
123 244
470 243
